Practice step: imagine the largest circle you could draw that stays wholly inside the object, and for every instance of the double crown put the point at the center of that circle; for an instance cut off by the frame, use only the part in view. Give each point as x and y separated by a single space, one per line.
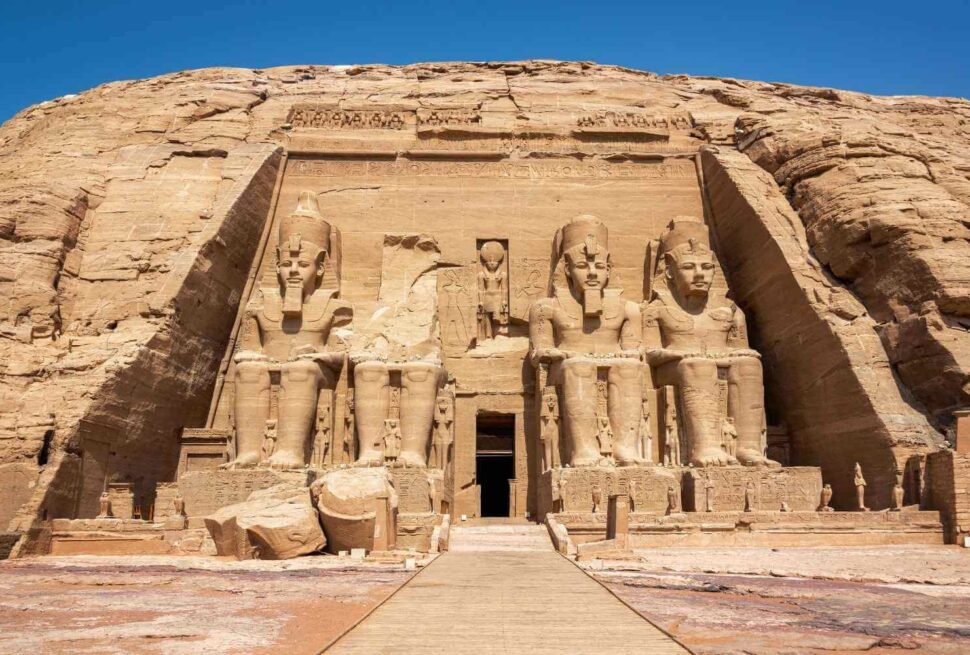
305 224
586 231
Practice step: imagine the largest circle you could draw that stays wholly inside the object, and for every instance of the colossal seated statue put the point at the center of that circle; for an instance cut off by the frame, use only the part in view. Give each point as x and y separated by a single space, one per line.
689 338
589 338
286 331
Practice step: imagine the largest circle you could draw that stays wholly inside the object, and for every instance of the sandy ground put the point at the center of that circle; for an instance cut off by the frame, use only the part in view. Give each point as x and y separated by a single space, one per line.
184 605
875 600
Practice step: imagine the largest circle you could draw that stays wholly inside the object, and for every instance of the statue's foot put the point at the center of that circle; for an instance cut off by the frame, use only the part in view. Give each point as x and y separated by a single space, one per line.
754 458
245 461
370 459
285 461
585 460
712 457
624 458
415 460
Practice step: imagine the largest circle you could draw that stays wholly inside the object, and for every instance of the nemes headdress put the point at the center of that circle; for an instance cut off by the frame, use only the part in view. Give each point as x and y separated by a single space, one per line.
685 233
587 231
305 224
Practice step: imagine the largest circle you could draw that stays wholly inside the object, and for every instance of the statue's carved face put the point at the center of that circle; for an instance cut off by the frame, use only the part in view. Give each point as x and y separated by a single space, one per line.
301 270
492 264
691 272
551 402
586 272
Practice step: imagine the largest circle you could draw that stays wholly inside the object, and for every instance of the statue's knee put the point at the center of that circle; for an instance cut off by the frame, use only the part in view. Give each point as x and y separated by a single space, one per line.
418 372
300 371
371 372
578 369
745 368
626 369
696 368
252 372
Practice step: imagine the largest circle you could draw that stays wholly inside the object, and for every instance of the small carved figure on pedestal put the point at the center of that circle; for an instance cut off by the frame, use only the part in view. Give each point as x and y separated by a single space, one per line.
709 496
493 292
672 504
444 419
104 506
646 434
321 445
898 492
860 489
784 507
269 439
632 494
729 437
549 429
825 498
671 444
749 496
392 440
179 504
604 437
597 499
349 437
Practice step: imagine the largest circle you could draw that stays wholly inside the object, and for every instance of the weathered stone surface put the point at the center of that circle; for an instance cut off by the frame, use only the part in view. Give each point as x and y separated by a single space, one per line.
274 523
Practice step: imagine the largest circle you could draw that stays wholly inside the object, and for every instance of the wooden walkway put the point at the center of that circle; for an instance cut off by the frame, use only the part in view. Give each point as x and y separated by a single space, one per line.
503 593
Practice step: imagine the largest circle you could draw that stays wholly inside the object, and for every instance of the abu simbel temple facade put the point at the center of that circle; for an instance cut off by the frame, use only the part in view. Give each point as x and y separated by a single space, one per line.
268 313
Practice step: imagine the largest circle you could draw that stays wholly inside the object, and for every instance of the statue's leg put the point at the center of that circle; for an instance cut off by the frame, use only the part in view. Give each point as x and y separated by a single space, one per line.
746 393
624 403
300 383
698 399
419 388
252 386
372 398
579 405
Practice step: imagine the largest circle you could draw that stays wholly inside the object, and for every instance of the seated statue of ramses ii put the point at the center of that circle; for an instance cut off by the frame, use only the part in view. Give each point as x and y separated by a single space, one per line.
288 329
688 337
588 335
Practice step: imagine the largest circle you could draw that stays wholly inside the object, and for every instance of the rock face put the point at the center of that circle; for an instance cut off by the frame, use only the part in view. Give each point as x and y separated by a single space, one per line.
275 523
130 215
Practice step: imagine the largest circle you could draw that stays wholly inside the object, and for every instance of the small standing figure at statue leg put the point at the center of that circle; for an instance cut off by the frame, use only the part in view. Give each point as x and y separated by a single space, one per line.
729 437
392 440
604 437
709 496
860 489
646 434
549 429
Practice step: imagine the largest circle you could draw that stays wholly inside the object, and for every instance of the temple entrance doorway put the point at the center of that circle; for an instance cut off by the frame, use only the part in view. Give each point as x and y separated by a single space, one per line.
494 461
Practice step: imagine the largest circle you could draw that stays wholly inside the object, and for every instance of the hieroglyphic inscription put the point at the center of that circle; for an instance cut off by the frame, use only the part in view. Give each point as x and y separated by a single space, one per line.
798 487
436 117
457 308
329 118
529 282
413 490
647 487
207 491
675 169
635 120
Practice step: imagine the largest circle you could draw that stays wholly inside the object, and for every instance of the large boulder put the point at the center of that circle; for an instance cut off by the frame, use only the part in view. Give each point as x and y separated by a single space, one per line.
275 523
347 500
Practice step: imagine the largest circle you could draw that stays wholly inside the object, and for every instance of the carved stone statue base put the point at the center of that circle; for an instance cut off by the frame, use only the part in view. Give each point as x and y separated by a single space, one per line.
797 486
572 489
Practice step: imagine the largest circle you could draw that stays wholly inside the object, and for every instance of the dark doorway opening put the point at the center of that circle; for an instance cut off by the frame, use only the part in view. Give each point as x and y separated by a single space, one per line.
495 461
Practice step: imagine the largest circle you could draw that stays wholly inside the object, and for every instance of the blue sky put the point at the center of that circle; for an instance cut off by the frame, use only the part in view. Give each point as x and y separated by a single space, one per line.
53 47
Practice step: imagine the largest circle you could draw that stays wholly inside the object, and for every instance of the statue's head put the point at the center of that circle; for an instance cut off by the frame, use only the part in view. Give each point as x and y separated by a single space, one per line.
585 253
550 399
688 258
443 403
492 254
302 251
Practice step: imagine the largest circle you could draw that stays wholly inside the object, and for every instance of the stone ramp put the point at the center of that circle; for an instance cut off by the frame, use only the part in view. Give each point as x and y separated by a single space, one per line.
502 591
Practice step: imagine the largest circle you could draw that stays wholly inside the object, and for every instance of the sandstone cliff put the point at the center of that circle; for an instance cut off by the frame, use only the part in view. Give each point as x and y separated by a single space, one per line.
129 215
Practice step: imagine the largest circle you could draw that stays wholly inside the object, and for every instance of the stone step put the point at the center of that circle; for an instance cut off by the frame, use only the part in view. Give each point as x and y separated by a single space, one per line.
499 538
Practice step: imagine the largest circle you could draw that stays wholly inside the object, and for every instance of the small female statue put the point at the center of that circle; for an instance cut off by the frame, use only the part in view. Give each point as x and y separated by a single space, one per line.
860 488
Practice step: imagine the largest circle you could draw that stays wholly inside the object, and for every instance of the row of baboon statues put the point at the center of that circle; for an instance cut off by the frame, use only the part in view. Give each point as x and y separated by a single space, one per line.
595 354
